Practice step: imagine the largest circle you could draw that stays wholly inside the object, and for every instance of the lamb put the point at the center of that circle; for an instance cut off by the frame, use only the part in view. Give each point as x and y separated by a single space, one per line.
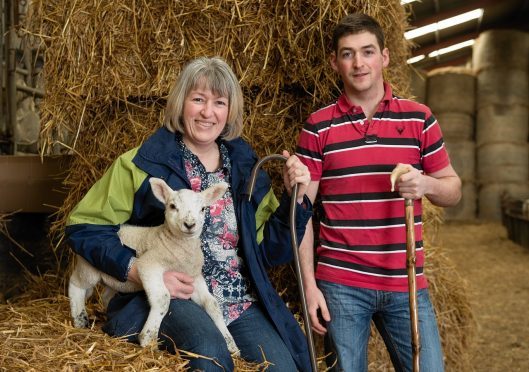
174 245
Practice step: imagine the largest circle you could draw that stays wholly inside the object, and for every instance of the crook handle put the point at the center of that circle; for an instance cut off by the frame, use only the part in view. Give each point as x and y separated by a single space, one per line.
255 170
295 248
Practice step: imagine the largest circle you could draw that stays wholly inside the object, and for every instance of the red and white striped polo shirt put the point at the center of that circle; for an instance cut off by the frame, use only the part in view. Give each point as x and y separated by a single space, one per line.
362 230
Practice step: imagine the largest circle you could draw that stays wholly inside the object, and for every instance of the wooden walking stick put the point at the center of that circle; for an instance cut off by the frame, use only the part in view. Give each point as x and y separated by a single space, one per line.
294 238
410 266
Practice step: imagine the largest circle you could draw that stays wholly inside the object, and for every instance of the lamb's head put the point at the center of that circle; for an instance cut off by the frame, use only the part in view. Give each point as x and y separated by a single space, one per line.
185 209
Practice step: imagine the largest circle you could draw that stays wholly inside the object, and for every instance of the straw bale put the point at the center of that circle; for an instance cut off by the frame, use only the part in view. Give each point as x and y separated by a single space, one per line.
491 193
467 207
124 48
502 162
502 123
456 126
463 158
110 131
451 90
502 49
105 52
451 70
502 86
418 81
272 124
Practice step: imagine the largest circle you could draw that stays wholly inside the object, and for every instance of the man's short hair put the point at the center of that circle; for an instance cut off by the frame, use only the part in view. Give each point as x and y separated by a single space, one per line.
354 24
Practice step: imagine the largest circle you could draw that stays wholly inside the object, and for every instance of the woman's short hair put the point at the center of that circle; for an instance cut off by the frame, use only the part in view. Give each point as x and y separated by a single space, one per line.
210 73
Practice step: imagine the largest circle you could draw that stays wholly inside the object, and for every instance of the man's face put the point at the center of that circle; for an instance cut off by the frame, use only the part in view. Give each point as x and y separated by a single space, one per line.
359 61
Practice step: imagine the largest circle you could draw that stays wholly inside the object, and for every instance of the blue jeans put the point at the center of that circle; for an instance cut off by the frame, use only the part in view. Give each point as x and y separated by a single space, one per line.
188 327
351 311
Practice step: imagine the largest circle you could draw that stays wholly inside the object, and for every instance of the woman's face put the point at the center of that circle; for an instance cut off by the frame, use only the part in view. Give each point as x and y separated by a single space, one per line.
204 115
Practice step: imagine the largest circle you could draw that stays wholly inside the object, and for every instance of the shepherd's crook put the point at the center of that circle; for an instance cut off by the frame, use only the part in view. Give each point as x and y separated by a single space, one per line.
293 235
410 266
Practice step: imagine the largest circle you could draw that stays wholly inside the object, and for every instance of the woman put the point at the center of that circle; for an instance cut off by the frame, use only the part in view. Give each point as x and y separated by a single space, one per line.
200 146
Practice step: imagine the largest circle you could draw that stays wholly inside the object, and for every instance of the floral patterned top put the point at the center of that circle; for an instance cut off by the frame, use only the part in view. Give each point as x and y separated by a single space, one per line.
224 270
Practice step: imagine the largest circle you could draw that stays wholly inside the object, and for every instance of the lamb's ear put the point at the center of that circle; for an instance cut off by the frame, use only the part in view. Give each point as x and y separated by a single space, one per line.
160 189
215 192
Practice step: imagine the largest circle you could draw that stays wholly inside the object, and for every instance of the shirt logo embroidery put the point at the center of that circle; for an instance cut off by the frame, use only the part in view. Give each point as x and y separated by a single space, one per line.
400 129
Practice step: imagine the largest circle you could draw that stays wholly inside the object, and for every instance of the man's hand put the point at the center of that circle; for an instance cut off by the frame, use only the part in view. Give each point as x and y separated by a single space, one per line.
442 188
295 172
315 302
411 185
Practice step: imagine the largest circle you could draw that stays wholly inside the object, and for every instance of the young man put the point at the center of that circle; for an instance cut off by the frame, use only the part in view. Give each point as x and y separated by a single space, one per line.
351 147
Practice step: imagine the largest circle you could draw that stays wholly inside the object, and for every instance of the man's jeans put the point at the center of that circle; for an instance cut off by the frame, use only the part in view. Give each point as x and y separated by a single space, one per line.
351 311
188 327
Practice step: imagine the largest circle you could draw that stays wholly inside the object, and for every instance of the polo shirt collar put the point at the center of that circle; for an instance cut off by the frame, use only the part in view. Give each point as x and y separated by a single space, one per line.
345 105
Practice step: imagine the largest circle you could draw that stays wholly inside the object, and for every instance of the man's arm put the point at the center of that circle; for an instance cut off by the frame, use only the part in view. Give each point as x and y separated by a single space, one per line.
442 188
315 298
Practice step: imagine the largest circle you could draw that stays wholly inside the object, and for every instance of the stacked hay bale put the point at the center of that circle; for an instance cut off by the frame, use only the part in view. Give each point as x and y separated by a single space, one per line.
451 96
109 68
103 57
418 80
501 61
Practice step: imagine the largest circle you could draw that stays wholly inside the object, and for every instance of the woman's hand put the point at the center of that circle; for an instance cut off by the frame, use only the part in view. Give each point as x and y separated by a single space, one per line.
179 285
295 172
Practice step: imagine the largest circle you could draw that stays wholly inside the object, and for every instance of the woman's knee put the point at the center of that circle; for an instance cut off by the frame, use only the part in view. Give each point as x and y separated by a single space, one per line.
260 342
205 348
209 358
276 358
188 327
281 362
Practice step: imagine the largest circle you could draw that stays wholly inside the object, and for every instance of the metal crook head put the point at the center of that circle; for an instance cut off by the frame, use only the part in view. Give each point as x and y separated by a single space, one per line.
256 168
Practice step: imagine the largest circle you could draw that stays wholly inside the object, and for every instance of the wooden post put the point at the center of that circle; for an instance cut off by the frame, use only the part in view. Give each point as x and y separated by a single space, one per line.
411 258
412 282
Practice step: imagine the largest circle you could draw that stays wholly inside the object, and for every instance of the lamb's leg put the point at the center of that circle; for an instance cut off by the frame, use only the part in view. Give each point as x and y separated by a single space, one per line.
205 299
107 295
82 281
152 279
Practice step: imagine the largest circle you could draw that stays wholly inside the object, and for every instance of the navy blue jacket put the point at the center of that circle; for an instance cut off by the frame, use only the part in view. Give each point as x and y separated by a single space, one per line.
123 195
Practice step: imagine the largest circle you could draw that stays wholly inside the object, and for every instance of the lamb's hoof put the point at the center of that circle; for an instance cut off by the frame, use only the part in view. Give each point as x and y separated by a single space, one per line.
146 338
232 347
81 320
